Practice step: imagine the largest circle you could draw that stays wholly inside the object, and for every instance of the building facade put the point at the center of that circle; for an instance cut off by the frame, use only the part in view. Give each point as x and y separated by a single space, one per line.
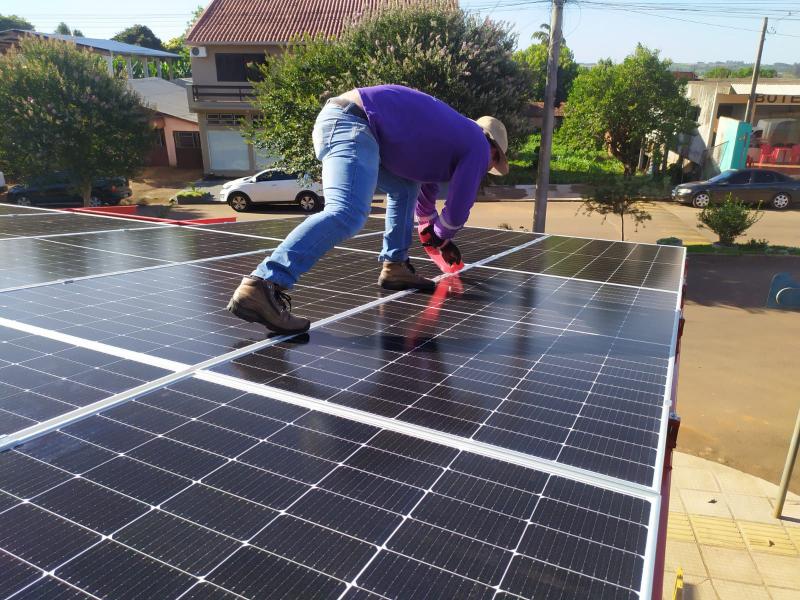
228 42
775 140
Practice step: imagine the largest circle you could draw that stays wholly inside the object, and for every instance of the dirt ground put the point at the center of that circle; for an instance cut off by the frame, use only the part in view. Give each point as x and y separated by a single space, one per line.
157 185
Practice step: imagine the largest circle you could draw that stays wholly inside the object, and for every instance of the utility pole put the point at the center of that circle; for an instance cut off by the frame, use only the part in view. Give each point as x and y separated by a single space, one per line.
545 150
750 113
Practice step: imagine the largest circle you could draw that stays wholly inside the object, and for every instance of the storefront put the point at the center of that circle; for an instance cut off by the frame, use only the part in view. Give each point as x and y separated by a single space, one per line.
775 142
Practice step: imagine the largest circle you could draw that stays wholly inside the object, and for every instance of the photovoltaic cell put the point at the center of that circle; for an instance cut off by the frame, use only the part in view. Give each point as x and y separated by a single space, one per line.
14 209
41 378
560 351
365 512
36 261
178 312
569 371
45 223
640 265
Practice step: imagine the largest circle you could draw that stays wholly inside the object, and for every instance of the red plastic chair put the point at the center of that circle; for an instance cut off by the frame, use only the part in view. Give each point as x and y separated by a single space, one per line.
766 154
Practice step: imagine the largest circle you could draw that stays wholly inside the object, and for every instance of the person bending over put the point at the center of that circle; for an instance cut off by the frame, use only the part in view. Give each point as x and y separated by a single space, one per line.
397 140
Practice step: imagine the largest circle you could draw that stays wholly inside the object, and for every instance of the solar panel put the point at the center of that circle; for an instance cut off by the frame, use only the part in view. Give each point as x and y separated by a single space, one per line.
57 223
279 228
41 378
533 370
502 437
15 209
251 496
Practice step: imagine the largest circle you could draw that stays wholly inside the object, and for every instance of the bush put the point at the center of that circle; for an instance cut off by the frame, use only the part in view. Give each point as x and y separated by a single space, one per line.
730 219
670 241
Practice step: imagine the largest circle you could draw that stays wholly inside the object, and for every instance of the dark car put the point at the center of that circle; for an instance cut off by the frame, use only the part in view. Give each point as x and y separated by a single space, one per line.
753 186
58 190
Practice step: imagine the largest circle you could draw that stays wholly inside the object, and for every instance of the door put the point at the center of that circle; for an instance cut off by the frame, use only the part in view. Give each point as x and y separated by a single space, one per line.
763 187
158 155
188 154
737 185
284 187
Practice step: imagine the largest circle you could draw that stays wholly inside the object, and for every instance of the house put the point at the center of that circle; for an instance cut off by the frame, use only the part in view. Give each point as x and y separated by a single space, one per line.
109 49
535 114
227 41
775 141
176 130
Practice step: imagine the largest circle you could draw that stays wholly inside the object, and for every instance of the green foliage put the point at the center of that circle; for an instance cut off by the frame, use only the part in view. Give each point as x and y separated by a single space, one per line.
534 57
444 52
743 73
569 164
63 29
139 35
730 219
77 33
182 66
63 112
620 106
621 196
15 22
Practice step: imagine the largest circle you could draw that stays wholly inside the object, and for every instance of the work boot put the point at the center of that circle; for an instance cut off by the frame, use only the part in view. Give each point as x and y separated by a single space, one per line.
402 276
260 301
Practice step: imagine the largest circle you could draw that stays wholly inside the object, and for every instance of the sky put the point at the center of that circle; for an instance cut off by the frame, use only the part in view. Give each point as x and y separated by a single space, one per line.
690 31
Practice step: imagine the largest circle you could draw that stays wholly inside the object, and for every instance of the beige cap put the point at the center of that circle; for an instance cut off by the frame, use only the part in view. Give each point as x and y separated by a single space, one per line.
496 131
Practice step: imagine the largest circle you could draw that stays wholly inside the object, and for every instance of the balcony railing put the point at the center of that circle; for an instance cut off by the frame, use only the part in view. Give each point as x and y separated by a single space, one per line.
222 93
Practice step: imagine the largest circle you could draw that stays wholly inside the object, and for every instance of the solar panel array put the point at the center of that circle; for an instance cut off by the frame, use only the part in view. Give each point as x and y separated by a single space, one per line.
502 437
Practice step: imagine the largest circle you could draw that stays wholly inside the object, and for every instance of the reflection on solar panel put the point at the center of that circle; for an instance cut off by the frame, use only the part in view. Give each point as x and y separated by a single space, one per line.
502 437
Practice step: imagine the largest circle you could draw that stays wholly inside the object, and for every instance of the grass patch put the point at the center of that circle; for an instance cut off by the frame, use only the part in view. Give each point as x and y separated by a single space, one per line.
567 165
753 247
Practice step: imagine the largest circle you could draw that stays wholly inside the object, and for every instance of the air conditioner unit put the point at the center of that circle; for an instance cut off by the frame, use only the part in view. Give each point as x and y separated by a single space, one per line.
198 51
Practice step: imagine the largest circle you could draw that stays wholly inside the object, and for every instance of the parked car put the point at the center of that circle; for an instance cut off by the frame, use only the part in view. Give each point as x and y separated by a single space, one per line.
57 190
3 186
753 186
271 186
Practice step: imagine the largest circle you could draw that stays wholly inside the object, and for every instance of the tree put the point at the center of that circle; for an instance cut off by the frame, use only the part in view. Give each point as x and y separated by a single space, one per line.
543 35
15 22
139 35
182 67
534 57
444 52
77 33
63 29
63 112
620 196
718 73
621 106
743 73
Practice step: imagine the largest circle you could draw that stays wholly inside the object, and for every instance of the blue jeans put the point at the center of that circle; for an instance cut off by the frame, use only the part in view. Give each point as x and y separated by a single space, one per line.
351 172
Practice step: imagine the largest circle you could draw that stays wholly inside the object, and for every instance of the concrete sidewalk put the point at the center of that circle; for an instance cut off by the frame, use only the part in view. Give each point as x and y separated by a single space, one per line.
722 534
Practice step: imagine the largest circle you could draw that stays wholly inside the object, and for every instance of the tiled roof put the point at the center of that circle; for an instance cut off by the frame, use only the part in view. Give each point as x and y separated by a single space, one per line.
278 21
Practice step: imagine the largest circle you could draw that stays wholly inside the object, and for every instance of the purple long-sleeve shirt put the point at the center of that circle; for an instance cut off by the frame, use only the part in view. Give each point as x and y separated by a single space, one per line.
425 140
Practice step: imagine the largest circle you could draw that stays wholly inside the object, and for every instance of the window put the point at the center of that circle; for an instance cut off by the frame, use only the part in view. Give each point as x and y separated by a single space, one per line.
187 139
739 178
228 119
160 140
764 177
228 151
238 67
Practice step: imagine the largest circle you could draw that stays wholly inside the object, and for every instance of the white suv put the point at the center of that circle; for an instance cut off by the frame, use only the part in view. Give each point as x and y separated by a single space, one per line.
271 186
